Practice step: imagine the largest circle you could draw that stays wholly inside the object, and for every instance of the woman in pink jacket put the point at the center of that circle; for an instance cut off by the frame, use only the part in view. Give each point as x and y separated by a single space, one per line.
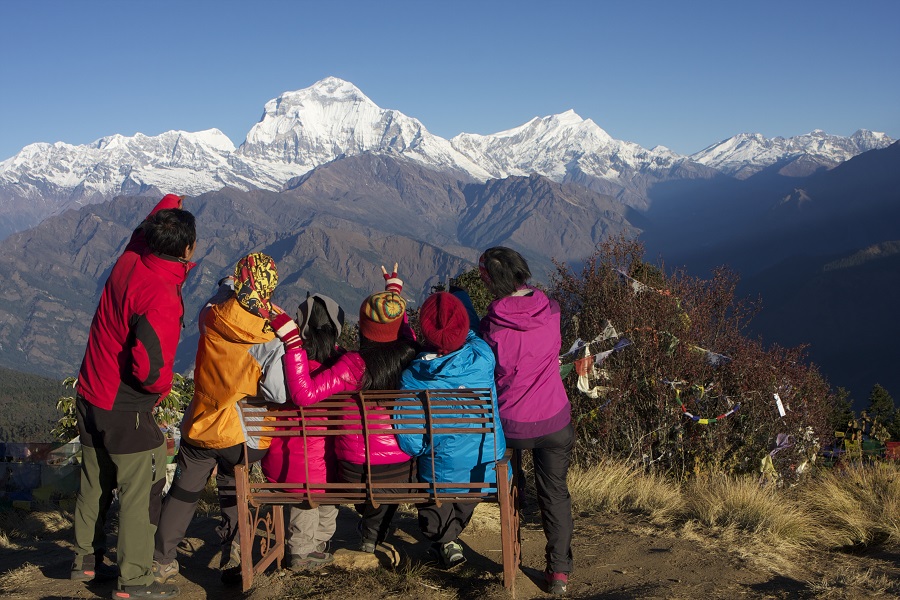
382 356
290 459
522 328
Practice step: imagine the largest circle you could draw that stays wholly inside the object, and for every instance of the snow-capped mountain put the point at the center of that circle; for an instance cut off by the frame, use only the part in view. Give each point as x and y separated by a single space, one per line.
748 153
557 145
305 129
190 163
567 148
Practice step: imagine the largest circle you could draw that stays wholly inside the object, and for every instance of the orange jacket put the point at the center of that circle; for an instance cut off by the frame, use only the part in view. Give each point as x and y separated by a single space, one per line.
236 359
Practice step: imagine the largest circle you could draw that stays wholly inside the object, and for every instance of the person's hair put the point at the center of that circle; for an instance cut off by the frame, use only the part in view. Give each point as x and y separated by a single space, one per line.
321 335
170 231
506 269
385 362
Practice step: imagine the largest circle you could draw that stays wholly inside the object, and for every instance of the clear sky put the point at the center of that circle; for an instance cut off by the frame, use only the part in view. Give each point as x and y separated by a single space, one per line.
679 74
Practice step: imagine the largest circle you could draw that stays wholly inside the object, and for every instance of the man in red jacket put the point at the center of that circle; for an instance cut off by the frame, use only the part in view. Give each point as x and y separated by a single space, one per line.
126 371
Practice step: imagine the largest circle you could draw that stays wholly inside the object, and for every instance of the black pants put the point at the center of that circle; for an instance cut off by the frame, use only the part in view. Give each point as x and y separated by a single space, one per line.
551 455
444 523
375 523
194 466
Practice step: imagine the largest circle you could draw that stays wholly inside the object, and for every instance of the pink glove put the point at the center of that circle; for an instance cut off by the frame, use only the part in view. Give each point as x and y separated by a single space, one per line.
287 331
392 283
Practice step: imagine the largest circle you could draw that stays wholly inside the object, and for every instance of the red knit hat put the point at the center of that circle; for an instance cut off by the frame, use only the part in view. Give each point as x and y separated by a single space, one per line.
381 315
444 322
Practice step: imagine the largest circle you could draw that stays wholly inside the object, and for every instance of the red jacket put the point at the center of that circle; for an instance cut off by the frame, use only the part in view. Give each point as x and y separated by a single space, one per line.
131 345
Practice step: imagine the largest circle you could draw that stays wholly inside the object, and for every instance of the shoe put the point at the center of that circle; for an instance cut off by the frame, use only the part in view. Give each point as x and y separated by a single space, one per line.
89 569
367 546
163 573
556 582
313 560
231 565
449 554
154 590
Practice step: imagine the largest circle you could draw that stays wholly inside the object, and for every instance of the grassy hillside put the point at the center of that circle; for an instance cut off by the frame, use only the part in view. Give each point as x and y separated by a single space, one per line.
27 406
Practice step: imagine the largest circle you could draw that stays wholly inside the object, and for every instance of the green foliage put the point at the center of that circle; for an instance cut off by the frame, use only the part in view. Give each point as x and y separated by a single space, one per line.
168 413
67 426
842 416
27 412
884 414
478 292
645 390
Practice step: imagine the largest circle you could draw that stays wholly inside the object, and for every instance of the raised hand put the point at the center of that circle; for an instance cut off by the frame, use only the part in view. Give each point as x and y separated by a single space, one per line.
287 331
392 283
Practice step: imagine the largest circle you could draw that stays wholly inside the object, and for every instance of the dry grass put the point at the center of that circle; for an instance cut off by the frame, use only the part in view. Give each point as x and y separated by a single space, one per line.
408 581
43 522
616 487
846 582
15 580
857 505
742 504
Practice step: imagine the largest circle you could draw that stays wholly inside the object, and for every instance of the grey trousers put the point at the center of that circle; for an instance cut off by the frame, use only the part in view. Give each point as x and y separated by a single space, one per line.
194 466
310 529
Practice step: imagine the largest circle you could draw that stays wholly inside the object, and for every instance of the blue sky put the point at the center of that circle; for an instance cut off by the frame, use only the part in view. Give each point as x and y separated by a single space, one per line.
681 74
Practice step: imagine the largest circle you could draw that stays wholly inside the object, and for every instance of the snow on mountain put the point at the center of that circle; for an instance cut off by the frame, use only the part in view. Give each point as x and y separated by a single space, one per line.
175 161
559 145
748 153
307 128
304 129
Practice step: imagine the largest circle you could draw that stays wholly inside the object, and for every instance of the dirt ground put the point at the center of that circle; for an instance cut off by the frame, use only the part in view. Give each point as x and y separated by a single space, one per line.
617 557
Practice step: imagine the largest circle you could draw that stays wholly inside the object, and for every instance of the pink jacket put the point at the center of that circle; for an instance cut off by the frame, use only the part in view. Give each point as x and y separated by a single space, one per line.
345 375
289 458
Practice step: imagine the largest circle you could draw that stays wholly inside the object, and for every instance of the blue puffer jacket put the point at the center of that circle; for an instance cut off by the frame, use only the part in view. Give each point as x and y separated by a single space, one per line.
458 457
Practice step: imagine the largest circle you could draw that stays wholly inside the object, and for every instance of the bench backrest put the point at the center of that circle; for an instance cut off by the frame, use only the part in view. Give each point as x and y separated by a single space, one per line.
429 413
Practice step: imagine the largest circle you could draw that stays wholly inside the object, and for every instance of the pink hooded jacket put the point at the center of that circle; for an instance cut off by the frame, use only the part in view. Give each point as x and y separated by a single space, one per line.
306 388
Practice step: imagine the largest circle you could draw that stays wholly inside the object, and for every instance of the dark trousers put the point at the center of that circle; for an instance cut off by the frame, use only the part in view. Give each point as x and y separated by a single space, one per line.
551 455
444 523
375 523
124 450
194 466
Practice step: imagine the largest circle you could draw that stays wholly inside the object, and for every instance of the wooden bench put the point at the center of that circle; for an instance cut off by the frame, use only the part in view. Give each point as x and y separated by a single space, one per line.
428 412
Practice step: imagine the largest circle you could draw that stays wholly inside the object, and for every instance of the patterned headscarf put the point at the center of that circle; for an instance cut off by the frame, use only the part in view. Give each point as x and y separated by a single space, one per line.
255 279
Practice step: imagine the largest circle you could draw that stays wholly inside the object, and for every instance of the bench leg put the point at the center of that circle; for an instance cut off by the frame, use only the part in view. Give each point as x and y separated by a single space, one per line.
242 483
249 522
509 522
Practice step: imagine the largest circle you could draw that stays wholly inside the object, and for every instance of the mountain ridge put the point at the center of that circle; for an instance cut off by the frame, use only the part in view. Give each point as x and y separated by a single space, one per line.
304 129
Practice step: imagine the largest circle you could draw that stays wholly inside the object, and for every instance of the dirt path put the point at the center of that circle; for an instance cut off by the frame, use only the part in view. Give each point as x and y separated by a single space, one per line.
616 557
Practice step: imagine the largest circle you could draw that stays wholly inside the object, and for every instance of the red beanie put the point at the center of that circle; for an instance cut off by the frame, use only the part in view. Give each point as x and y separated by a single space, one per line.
444 322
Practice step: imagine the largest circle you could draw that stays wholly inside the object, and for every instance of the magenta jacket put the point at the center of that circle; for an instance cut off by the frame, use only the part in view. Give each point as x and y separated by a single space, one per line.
289 458
523 331
306 388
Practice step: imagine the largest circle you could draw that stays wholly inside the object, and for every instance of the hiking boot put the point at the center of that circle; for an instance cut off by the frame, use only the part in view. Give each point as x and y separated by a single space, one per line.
313 560
163 573
230 565
556 582
154 590
90 569
449 554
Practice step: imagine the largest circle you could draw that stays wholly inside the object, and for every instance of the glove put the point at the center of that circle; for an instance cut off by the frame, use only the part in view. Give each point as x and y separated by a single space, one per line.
392 283
287 331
